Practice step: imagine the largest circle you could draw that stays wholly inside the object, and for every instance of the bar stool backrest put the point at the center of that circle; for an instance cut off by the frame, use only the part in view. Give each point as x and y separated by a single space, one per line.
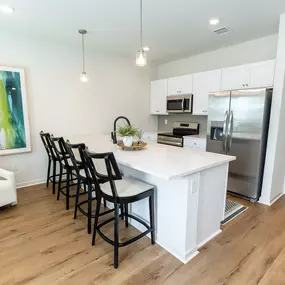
58 145
45 137
75 152
112 169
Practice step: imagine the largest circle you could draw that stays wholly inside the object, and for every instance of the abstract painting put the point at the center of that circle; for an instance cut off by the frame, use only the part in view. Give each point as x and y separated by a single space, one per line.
14 119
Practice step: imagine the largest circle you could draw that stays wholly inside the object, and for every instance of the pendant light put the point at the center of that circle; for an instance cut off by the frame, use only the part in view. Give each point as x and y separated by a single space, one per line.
141 55
83 75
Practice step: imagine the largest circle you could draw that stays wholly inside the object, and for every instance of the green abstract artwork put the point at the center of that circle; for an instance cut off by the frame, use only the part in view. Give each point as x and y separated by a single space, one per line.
14 125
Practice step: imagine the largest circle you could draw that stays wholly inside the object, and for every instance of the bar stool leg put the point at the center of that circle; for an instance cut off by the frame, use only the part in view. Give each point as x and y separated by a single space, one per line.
126 217
48 172
77 198
89 208
116 237
59 182
96 219
122 211
54 177
67 189
151 215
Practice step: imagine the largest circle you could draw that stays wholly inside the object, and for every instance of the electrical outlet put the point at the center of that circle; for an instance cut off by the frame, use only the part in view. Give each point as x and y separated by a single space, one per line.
194 186
165 121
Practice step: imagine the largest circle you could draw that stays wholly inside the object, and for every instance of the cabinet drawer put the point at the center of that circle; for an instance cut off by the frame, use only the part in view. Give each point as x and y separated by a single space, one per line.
195 143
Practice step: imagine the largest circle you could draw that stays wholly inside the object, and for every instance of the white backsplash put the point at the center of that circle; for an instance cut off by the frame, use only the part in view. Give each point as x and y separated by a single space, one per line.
172 118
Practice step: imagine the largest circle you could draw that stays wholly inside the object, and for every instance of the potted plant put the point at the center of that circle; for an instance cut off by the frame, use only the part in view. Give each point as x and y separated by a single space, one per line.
127 132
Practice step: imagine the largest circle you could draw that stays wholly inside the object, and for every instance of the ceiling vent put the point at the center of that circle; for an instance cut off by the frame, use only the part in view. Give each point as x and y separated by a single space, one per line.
222 31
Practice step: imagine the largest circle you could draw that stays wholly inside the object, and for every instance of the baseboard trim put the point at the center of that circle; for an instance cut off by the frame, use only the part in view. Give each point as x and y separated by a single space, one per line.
209 238
30 183
270 203
276 198
263 201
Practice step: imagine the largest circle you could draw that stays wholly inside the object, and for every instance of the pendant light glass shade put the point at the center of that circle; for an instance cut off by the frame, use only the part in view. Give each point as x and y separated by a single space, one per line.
84 77
141 55
141 58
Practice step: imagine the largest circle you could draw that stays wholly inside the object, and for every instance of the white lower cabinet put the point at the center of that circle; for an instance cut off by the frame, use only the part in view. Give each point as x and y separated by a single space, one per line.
194 142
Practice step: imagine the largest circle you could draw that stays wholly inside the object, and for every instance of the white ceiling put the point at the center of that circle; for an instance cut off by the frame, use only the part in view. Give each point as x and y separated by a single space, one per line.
172 28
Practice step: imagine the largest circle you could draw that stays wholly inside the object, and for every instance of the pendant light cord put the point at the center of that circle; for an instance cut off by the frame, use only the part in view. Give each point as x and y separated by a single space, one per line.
83 53
141 14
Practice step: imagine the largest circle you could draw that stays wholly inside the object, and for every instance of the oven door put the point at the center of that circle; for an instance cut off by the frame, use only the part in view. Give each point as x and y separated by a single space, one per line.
175 104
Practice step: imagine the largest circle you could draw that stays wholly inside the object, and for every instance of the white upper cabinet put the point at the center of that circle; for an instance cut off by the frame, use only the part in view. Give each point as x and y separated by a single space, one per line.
262 74
203 84
237 77
253 75
180 85
158 93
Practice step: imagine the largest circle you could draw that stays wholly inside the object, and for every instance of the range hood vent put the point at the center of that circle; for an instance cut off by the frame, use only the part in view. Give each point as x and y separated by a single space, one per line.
222 31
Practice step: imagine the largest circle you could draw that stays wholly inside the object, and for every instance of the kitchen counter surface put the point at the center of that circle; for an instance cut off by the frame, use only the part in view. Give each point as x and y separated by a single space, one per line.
166 162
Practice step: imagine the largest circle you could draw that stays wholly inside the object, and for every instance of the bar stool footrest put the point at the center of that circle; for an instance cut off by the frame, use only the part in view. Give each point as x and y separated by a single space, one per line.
92 216
121 244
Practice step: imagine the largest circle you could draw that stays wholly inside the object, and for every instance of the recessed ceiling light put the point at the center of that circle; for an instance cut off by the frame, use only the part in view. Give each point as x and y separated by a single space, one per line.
214 21
146 48
7 10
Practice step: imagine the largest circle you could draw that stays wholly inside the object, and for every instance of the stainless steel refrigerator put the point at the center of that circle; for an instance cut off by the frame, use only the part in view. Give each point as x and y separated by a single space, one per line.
238 125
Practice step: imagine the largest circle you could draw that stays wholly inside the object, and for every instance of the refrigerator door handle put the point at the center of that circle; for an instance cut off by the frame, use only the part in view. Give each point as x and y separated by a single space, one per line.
225 130
230 130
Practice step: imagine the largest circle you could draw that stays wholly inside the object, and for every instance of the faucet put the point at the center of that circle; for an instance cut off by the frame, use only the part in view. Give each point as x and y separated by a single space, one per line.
113 134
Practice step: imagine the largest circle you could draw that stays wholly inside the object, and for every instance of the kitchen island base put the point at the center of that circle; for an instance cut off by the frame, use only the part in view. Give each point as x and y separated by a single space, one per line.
188 210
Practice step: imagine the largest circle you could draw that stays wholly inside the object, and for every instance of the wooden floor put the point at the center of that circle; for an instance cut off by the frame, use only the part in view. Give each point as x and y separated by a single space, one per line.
40 243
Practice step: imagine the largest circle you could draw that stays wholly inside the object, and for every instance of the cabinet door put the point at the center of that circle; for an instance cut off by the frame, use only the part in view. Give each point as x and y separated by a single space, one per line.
180 85
158 93
262 74
237 77
203 84
195 143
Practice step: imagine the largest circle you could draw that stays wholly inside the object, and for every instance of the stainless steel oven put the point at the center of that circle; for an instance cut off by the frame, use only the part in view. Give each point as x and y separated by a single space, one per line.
180 103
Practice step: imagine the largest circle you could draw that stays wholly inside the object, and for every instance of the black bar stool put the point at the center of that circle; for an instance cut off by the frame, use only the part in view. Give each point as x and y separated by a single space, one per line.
52 159
75 152
59 147
119 191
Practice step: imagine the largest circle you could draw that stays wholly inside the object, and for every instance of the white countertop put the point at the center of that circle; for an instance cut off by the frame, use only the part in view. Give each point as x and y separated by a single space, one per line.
162 161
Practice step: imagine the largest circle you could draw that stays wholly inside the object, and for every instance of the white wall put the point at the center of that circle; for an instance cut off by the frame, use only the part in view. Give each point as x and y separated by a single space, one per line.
60 104
247 52
273 183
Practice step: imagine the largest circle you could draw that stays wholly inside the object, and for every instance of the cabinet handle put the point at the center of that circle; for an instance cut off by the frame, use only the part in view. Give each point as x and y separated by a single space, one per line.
178 91
246 84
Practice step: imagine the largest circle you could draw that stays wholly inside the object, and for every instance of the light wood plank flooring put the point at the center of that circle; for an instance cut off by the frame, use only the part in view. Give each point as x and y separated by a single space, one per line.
40 243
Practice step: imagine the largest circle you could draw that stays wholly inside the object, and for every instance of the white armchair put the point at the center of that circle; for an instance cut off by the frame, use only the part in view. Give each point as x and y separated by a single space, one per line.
8 194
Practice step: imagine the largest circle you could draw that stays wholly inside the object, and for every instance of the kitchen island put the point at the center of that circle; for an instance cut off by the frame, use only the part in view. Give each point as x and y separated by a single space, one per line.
190 190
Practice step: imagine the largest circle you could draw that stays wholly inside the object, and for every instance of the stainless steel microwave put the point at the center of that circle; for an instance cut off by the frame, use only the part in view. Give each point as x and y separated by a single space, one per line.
180 103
